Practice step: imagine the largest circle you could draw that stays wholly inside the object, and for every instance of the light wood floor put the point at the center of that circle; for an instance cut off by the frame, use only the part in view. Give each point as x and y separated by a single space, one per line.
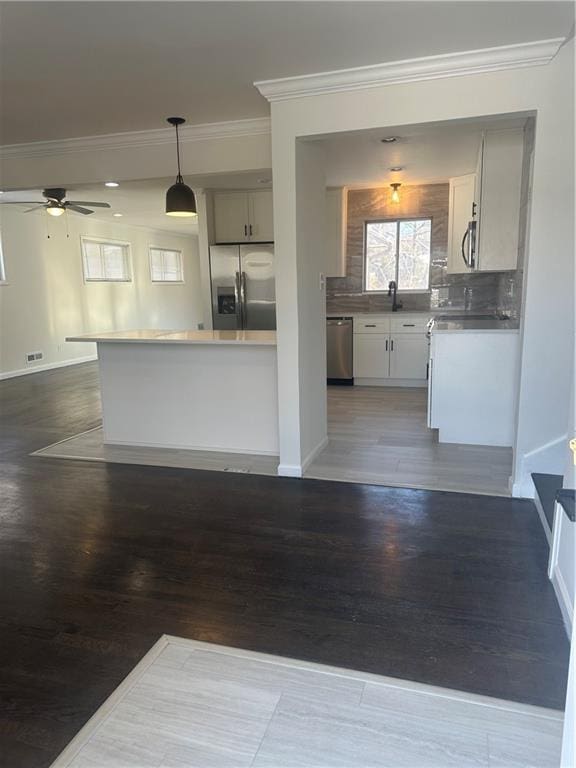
379 435
195 704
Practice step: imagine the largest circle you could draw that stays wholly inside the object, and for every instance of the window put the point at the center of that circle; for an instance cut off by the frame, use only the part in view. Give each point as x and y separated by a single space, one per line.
166 266
105 260
397 250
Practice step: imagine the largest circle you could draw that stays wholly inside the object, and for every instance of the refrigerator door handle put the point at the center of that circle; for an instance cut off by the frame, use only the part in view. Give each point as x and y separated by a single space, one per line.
243 298
238 299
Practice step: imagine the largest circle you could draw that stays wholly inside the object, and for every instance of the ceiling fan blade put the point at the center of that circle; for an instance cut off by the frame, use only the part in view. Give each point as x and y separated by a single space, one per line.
22 202
87 202
78 209
36 208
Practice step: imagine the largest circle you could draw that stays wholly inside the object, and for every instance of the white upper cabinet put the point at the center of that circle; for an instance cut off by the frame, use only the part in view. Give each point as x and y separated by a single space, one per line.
491 198
335 238
500 200
243 217
460 207
261 216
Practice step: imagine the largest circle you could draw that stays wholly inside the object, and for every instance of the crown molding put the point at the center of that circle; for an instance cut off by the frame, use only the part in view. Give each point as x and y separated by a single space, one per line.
137 139
412 70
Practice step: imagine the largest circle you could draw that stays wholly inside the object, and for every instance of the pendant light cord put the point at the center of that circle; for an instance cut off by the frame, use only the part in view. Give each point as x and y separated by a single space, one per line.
179 177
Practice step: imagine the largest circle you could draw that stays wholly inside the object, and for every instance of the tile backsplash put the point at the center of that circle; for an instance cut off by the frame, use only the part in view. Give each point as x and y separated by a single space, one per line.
479 292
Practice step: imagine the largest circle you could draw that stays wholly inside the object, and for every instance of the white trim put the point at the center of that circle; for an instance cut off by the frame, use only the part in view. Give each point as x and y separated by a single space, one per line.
360 382
563 598
98 719
313 453
137 139
103 712
542 516
47 367
289 470
555 574
412 70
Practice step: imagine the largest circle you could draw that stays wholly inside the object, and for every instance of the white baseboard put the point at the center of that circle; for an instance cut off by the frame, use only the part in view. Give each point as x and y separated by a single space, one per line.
549 458
297 470
542 516
563 598
47 367
422 383
289 470
313 453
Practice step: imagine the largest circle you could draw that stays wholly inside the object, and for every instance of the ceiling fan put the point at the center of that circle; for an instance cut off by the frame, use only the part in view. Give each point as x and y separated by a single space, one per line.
55 203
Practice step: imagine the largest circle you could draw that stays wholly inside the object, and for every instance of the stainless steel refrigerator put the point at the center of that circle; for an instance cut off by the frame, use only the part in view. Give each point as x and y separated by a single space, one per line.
243 287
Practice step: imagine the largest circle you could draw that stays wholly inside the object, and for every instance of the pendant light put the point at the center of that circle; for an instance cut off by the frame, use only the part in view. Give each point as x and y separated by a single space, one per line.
180 200
395 193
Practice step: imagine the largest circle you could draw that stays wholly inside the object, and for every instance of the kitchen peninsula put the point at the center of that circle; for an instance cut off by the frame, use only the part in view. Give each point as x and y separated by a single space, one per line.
195 390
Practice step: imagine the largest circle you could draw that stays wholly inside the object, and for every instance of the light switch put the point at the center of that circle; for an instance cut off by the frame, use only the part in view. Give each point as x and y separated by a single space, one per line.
322 281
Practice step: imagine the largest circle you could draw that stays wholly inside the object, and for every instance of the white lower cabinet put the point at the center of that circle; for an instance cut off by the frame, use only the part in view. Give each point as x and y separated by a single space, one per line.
390 350
371 357
408 356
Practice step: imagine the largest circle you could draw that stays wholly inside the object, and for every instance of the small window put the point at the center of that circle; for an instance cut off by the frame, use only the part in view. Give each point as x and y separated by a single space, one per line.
398 250
106 260
166 266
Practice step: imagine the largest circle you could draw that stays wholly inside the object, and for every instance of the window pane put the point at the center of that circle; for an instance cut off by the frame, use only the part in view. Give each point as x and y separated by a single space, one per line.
156 270
93 268
414 255
113 261
172 270
380 255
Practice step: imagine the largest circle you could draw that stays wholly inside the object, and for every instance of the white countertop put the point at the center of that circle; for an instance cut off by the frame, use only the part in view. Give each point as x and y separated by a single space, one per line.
147 336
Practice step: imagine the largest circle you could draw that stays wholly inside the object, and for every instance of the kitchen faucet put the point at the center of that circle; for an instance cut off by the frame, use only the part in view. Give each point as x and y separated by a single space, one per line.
392 288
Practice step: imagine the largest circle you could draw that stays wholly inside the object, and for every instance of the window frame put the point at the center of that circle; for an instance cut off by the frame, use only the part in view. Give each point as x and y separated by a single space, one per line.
166 282
395 220
107 241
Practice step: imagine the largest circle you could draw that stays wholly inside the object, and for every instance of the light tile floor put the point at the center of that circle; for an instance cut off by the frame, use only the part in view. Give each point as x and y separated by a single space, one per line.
196 705
379 435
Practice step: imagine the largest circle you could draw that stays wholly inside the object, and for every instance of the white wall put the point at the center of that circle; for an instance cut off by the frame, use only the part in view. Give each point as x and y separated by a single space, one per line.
549 310
46 299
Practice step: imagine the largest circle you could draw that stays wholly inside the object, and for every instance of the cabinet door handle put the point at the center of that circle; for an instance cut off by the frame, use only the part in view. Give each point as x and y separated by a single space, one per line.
245 230
408 325
386 348
370 326
392 345
250 229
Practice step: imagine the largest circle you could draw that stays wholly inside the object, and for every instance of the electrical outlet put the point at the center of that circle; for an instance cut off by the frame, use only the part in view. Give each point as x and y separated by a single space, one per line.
33 357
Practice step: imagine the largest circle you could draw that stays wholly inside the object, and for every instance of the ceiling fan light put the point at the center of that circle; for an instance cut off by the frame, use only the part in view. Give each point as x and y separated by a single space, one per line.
54 210
180 200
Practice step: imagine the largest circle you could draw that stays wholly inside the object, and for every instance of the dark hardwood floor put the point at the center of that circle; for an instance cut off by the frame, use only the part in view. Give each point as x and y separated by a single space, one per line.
97 561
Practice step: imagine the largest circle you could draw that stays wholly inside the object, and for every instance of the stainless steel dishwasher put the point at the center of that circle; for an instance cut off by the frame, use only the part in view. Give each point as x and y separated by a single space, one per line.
339 337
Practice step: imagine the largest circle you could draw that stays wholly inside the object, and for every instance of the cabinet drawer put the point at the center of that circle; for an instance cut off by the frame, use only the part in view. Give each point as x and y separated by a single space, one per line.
407 324
363 324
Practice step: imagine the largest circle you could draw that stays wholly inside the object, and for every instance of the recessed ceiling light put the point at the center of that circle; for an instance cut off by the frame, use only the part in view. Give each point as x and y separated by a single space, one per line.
117 215
389 139
111 184
397 168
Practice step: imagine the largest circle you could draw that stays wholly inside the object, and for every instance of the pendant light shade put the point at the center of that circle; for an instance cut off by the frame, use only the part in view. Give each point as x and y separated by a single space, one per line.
395 194
180 200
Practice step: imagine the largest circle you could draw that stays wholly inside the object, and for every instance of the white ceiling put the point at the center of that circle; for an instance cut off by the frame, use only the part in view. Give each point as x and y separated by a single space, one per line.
88 68
141 203
426 153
